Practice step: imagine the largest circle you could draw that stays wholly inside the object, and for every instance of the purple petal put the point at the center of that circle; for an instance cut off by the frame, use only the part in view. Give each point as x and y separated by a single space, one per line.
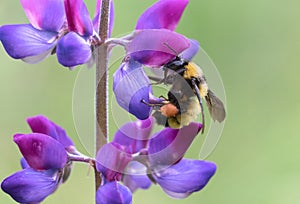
45 14
131 86
113 193
169 145
185 177
22 41
73 50
41 151
30 186
136 177
112 160
135 135
78 17
163 14
189 53
110 20
24 163
156 47
41 124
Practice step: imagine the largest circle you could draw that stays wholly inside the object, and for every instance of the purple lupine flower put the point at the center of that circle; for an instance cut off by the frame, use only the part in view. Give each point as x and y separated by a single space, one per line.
33 42
164 164
161 16
185 177
130 86
113 193
56 26
176 176
168 146
74 48
36 149
41 124
164 14
154 158
112 159
153 37
128 140
31 186
45 161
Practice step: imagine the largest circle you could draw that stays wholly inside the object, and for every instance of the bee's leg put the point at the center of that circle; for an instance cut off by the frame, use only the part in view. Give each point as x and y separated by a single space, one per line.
156 79
163 98
151 104
200 102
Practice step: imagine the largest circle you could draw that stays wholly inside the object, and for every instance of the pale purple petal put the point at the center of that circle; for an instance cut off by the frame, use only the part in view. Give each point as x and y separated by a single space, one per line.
136 177
41 124
22 41
156 47
131 86
45 14
169 145
78 17
189 53
186 177
135 135
163 14
41 151
73 50
113 193
30 186
111 161
24 163
37 58
97 17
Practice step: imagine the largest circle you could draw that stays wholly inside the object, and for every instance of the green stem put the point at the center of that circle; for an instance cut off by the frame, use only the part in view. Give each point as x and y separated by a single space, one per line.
102 84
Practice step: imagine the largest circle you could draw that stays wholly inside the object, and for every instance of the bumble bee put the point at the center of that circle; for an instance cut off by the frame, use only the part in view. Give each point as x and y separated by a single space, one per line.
194 77
178 110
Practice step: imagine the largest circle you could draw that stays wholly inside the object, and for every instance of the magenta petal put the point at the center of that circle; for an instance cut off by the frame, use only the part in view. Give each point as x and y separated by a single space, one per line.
163 14
41 151
189 53
45 14
30 186
97 16
113 193
152 47
169 145
78 17
134 135
41 124
131 86
136 177
186 177
112 160
22 41
73 50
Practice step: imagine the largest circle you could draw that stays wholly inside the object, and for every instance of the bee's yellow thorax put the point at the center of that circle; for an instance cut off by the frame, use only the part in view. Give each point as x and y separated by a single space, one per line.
193 71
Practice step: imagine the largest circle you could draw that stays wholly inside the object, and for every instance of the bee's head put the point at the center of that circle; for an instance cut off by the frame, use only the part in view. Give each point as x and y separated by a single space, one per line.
176 64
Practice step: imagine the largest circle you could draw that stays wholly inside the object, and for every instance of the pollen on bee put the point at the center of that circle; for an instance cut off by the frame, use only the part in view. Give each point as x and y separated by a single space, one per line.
203 88
169 110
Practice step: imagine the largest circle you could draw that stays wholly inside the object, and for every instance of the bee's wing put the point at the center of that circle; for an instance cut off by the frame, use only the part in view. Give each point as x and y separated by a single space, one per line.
215 106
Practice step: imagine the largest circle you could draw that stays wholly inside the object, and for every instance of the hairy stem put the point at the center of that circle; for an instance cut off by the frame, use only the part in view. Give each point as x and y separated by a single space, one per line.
102 84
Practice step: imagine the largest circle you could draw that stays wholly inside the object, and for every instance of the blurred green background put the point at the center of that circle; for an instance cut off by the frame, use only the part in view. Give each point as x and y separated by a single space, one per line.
256 47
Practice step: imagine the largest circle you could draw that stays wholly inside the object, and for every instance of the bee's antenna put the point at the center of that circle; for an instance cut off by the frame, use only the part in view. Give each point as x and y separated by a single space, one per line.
168 46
